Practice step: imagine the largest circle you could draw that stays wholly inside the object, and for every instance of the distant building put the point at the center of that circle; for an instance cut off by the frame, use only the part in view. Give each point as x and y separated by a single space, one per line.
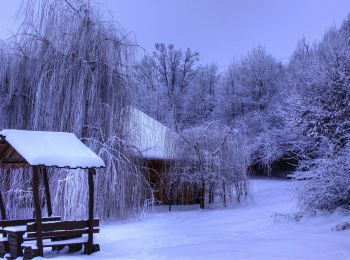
156 145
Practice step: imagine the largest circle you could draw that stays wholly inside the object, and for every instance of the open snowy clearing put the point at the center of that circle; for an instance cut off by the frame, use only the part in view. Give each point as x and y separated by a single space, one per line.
247 232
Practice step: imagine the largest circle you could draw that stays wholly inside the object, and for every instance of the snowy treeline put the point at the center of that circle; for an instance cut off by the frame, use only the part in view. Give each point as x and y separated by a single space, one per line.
298 112
321 74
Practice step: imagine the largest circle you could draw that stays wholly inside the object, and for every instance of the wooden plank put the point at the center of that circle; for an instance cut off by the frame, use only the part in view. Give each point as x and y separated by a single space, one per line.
63 225
14 165
47 191
21 222
72 241
10 158
39 240
5 154
63 233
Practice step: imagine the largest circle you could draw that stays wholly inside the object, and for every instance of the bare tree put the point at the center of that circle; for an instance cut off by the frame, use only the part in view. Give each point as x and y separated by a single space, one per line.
166 75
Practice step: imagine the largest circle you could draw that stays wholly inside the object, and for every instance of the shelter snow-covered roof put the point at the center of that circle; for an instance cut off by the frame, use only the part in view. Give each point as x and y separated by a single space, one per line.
151 138
52 149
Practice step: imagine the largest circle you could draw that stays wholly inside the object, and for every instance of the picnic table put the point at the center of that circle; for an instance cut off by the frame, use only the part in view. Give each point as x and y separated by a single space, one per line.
20 238
14 234
58 234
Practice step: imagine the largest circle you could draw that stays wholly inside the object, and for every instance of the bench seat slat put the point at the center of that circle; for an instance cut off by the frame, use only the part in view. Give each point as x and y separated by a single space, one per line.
62 225
49 243
21 222
63 233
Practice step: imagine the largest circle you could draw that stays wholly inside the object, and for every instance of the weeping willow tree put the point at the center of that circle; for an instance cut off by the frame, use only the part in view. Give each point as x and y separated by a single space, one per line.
67 70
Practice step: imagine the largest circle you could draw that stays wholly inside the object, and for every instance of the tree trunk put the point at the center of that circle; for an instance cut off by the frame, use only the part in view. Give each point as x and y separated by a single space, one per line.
224 193
202 201
170 197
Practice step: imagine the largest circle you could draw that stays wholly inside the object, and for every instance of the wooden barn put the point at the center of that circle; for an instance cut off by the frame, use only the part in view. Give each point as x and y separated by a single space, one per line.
156 146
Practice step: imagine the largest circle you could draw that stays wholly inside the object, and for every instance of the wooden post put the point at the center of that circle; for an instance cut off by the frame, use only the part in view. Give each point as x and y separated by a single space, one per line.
39 240
2 208
47 191
91 173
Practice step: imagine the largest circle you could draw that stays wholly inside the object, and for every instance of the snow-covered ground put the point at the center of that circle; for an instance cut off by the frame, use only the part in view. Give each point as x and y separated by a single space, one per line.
246 232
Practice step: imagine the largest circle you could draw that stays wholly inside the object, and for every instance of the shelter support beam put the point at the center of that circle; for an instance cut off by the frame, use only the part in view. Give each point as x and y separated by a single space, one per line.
47 191
38 218
7 153
91 173
2 208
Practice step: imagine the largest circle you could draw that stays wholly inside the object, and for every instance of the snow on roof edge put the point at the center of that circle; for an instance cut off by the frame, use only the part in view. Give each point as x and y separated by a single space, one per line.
150 137
52 149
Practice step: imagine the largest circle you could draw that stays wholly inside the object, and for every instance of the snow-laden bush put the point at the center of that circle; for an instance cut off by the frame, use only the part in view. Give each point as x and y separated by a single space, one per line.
214 159
326 183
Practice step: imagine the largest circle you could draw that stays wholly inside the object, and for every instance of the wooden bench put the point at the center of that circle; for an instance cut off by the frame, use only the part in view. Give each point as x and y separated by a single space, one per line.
60 234
12 235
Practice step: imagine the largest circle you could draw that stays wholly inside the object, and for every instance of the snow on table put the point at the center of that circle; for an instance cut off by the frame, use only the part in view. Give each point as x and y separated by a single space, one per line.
22 228
245 232
52 149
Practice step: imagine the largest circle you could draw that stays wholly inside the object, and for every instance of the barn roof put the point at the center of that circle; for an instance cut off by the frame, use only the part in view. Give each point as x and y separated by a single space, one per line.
152 139
52 149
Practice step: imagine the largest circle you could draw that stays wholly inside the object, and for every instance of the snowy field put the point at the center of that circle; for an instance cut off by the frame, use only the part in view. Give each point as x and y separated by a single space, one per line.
249 231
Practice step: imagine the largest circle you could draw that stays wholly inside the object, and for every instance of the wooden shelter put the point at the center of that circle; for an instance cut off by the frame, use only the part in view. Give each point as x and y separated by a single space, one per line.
156 145
39 151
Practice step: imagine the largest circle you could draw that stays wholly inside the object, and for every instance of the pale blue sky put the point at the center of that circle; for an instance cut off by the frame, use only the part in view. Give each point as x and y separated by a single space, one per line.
218 29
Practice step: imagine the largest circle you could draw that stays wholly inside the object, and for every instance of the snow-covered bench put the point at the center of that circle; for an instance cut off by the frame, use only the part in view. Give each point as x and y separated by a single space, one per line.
59 234
12 226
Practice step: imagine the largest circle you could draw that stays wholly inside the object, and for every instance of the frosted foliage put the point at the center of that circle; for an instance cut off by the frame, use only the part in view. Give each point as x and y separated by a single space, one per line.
163 81
201 98
67 70
328 183
212 156
321 74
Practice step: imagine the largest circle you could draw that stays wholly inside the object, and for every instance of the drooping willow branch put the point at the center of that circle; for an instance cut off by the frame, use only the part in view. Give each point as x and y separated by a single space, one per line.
68 71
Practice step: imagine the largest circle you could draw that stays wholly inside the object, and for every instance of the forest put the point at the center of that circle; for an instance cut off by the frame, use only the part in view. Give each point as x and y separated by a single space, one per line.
67 69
